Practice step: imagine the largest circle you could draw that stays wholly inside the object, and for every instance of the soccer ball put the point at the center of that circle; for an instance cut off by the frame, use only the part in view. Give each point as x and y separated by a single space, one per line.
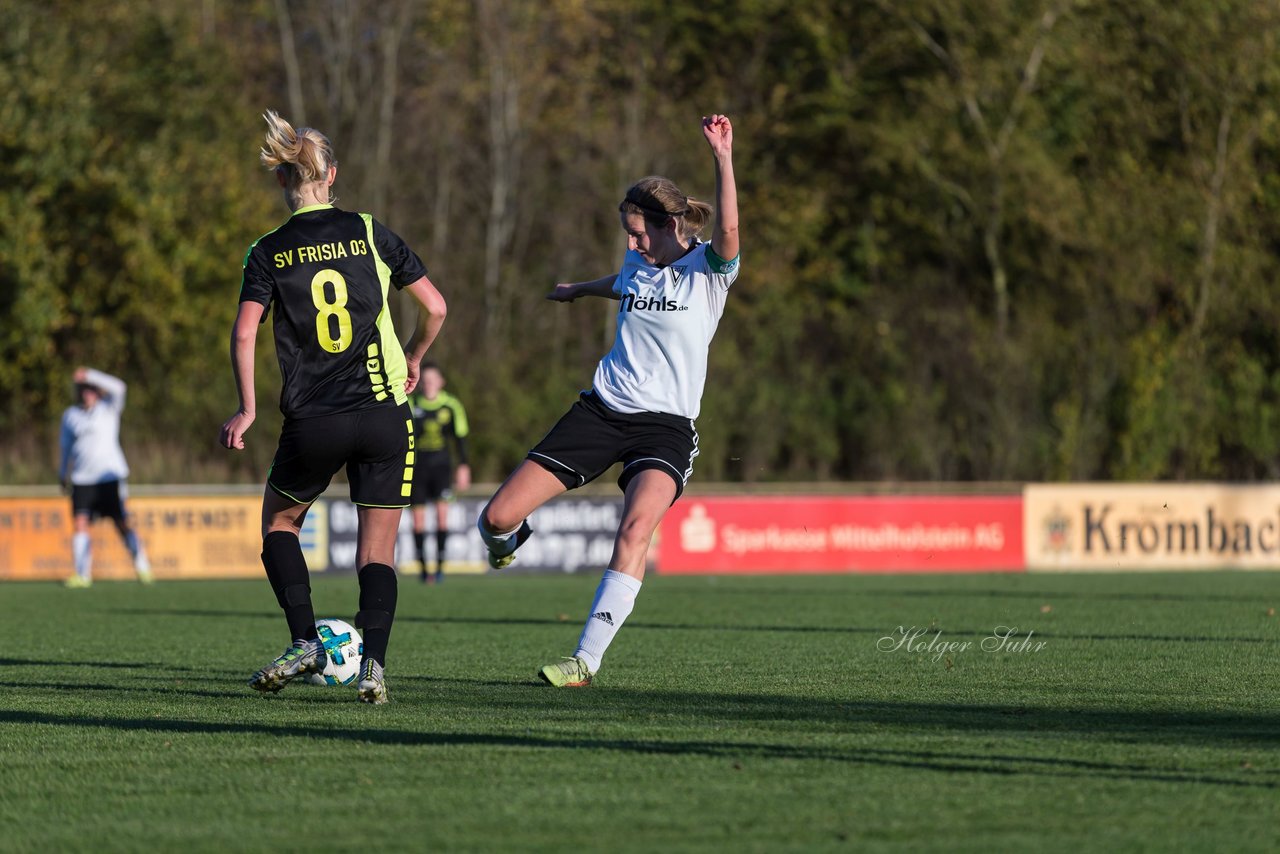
343 649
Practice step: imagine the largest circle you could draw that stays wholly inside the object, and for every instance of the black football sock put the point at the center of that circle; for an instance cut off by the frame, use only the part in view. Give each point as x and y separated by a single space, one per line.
420 543
287 572
442 540
377 609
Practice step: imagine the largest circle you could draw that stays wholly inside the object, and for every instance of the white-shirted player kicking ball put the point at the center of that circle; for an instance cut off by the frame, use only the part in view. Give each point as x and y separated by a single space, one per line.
645 395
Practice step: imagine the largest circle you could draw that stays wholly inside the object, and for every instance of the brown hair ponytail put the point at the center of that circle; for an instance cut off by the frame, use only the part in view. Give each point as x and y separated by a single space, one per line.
658 199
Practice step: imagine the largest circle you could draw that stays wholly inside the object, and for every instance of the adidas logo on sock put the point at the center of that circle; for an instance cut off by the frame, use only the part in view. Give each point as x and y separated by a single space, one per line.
603 615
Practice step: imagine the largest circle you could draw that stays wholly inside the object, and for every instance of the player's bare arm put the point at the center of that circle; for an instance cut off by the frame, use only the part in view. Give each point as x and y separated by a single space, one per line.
718 131
570 291
430 318
244 337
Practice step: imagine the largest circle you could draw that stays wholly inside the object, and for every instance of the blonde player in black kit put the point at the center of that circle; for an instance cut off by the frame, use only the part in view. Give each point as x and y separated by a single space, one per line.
645 395
326 273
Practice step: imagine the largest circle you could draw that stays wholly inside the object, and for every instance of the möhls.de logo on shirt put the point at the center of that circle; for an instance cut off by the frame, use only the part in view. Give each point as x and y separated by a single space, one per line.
632 302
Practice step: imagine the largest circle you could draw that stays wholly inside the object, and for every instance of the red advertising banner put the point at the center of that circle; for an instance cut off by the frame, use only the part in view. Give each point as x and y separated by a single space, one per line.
849 534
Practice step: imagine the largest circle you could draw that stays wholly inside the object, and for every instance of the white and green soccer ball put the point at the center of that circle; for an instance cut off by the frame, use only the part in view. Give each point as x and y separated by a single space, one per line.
343 649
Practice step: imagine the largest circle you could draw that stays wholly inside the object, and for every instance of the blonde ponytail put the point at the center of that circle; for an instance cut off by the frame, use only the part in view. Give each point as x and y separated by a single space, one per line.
302 156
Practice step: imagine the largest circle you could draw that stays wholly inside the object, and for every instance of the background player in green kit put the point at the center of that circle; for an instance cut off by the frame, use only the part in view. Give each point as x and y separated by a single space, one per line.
439 420
326 274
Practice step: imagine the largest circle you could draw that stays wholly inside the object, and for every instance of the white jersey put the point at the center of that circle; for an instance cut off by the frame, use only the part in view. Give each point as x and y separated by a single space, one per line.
90 439
666 319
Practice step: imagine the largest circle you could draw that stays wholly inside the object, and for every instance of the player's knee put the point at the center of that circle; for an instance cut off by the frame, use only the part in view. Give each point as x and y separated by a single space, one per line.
494 520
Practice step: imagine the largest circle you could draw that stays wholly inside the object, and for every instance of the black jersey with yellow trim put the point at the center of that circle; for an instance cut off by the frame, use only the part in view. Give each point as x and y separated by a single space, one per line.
326 274
437 421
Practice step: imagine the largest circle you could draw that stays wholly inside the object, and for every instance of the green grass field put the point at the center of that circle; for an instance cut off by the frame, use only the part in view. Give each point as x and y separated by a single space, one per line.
752 714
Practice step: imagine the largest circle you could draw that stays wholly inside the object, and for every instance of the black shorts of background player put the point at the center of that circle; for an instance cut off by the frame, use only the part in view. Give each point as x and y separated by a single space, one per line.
645 395
439 421
327 272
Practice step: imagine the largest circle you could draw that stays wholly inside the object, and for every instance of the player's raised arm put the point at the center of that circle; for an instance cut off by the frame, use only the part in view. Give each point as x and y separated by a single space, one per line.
112 388
718 132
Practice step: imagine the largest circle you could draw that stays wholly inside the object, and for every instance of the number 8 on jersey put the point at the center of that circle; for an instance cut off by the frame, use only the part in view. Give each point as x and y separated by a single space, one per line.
336 309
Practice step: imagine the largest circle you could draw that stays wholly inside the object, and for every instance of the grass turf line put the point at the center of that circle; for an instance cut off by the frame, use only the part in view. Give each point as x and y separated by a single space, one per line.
758 713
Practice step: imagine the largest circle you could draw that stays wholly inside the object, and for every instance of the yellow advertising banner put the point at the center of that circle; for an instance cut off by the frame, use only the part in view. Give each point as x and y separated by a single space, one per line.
1107 526
194 536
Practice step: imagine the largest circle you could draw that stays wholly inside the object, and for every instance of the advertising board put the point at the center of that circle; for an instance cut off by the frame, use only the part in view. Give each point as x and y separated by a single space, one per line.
779 534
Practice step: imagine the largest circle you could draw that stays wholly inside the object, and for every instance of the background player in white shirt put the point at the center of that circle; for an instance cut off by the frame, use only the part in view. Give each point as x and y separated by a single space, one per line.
646 392
93 470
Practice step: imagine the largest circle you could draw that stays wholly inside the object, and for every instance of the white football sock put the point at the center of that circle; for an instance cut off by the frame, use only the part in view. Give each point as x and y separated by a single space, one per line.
83 558
140 562
500 544
615 597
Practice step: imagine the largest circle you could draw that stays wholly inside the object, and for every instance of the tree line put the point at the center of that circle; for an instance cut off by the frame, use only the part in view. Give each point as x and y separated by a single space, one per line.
982 240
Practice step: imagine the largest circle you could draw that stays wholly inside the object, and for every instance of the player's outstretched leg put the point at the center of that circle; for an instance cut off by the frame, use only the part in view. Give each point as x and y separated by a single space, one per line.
528 488
303 657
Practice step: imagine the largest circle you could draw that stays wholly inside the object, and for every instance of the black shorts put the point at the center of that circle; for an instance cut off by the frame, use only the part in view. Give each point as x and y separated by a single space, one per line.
432 478
99 500
591 437
376 446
